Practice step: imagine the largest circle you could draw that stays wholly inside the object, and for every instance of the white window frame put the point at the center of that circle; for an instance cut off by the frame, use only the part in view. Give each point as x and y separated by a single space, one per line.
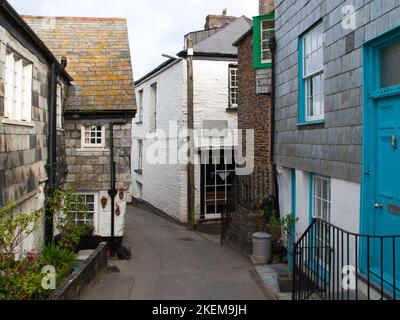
86 145
18 88
140 154
266 40
318 197
95 209
314 112
139 189
153 121
233 86
59 106
140 111
215 200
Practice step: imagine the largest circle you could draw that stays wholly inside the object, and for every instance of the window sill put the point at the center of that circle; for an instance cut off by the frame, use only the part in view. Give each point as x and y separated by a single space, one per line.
139 171
311 123
18 123
232 109
92 150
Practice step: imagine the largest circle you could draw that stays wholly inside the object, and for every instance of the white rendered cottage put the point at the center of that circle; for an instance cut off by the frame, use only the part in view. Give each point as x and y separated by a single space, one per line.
162 108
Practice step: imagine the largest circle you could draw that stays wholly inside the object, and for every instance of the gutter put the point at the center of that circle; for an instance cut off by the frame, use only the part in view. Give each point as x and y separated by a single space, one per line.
52 149
272 148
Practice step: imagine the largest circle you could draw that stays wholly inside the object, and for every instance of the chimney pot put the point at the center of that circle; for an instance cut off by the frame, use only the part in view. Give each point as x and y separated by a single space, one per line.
266 6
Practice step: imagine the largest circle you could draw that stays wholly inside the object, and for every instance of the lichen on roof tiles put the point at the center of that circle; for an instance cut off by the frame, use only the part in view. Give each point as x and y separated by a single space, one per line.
98 56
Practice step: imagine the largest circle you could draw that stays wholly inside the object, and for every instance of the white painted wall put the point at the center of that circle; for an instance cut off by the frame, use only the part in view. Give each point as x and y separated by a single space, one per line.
165 186
285 190
211 100
345 207
345 201
302 201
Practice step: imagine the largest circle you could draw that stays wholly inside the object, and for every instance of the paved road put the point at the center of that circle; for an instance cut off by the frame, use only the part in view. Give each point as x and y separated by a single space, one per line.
171 263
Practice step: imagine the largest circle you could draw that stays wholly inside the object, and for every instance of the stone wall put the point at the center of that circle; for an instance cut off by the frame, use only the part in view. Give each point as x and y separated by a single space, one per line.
242 225
254 112
89 170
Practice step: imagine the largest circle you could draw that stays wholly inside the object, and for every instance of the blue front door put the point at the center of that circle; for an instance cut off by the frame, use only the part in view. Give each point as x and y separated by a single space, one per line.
386 211
381 160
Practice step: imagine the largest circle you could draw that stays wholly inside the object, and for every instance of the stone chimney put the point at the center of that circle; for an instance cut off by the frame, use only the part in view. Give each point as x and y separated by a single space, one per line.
266 6
216 21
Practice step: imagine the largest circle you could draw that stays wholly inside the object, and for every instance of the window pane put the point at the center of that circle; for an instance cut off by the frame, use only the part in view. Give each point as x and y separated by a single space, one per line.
390 66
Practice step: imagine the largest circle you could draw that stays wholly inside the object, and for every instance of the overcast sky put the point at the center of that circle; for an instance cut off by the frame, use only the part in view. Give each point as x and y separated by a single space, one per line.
155 26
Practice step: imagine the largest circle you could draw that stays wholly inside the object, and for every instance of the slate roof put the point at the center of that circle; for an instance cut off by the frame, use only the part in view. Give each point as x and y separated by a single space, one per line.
98 59
221 42
216 45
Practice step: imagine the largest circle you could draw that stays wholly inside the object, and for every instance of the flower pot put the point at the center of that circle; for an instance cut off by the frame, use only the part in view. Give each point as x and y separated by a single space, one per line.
104 201
118 211
285 284
121 193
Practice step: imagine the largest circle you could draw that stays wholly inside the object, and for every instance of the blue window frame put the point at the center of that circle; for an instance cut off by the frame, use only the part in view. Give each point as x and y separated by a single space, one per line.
311 76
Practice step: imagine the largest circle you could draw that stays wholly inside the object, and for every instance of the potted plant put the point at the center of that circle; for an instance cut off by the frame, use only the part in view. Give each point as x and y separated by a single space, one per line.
282 231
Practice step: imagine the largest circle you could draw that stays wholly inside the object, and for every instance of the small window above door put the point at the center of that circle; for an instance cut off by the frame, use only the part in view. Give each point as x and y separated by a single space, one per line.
390 66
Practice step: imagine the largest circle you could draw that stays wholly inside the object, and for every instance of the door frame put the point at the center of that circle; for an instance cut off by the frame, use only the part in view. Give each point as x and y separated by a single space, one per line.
371 93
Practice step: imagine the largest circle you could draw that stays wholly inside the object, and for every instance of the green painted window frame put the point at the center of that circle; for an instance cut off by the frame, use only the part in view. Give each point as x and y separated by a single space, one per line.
257 64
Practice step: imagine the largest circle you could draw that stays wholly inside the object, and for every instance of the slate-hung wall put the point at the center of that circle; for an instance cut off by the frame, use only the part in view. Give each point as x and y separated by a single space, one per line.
23 147
333 148
330 151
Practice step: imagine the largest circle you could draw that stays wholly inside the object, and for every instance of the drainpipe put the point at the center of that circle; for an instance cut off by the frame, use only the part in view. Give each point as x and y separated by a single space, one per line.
190 168
52 150
274 167
113 191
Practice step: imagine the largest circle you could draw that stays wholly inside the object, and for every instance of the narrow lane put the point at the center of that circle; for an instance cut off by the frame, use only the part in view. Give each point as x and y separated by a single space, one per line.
171 263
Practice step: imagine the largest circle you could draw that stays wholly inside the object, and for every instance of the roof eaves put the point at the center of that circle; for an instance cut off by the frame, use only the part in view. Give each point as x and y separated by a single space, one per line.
238 41
33 36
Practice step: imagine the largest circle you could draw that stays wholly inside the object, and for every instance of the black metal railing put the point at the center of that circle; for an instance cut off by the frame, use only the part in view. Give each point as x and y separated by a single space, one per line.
333 264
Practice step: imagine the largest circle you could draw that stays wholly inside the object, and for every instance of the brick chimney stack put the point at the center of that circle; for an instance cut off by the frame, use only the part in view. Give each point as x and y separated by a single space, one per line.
266 6
218 21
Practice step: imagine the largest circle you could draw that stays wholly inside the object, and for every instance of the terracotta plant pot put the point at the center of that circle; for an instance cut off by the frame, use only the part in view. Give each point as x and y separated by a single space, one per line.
121 193
104 201
117 211
285 283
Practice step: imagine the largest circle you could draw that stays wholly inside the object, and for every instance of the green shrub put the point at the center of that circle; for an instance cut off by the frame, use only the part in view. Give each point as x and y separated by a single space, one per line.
28 285
65 202
60 258
15 228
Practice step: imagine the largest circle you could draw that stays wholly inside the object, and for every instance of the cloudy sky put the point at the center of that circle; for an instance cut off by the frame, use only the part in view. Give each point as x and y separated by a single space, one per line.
155 26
